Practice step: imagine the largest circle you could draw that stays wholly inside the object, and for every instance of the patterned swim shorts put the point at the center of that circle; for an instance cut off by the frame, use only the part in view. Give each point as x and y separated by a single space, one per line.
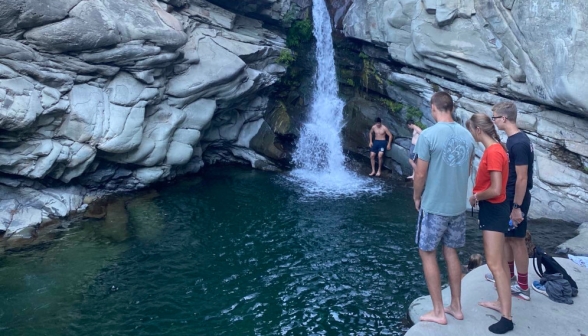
432 229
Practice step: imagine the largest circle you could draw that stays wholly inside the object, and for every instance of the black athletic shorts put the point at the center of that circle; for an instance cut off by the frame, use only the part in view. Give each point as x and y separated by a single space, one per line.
494 216
521 230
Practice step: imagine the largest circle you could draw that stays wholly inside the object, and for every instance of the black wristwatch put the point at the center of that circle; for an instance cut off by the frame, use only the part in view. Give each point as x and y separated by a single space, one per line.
516 206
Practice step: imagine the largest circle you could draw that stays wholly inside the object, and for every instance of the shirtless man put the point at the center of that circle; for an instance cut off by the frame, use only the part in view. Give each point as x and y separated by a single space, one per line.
379 145
412 156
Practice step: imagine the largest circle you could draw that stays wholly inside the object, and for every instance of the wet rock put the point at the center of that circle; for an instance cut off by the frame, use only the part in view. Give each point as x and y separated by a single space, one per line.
577 245
147 218
116 221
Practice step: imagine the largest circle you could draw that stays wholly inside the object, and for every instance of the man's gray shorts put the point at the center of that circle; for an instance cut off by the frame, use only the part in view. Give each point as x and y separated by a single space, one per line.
432 229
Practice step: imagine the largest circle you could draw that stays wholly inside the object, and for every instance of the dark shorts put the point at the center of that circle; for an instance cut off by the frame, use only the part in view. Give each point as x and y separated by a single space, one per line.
521 230
379 146
494 216
411 154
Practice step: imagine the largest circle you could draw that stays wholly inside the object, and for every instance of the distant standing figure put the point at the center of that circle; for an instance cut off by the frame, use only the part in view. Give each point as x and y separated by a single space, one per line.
412 156
379 145
445 152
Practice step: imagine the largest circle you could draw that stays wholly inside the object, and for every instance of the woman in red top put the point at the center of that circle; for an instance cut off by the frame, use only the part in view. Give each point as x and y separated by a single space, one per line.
490 195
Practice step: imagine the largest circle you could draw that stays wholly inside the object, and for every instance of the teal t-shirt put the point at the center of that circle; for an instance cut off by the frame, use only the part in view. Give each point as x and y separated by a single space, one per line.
448 147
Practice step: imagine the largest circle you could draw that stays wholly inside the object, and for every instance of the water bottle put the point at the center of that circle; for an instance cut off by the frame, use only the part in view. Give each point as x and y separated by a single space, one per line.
511 224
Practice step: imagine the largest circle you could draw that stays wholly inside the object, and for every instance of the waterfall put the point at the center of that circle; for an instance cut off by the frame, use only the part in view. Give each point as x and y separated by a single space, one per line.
319 154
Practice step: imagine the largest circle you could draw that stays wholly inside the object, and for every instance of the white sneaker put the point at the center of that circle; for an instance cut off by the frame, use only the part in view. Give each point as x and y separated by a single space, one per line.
490 277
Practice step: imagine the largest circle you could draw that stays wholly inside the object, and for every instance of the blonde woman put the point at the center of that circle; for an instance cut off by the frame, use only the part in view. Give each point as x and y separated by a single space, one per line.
490 195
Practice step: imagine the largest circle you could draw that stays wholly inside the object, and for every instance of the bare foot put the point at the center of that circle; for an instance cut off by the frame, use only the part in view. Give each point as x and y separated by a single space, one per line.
378 173
494 305
372 173
431 317
456 313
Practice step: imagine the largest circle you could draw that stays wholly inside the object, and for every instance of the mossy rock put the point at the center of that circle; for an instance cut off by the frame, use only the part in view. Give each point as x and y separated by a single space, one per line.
279 120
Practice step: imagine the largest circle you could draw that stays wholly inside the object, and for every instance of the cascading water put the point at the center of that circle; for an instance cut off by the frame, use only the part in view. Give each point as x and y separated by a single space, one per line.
319 155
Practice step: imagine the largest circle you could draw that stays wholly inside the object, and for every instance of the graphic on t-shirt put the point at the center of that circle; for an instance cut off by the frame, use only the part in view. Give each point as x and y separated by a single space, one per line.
455 152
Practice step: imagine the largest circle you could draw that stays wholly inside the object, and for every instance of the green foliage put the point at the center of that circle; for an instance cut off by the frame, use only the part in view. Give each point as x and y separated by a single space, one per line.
416 115
369 71
350 82
420 124
392 106
299 33
289 17
286 57
412 113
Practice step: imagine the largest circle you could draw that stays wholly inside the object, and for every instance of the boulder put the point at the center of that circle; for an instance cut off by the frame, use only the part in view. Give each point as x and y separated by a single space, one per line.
89 25
530 317
577 245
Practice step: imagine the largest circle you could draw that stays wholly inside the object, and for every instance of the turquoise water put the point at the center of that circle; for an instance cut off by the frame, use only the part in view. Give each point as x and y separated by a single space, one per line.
236 252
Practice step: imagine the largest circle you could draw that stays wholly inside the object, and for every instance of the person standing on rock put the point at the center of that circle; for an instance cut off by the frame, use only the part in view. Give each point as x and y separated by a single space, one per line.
445 152
520 182
378 132
490 195
412 156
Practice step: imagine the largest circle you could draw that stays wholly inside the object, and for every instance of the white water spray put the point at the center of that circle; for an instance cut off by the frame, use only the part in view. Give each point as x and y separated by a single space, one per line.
319 155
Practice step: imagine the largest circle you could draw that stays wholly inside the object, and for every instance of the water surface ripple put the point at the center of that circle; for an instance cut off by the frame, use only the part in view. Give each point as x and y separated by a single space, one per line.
237 252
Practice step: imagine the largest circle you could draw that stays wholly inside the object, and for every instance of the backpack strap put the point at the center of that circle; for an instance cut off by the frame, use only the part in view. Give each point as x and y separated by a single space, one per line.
537 265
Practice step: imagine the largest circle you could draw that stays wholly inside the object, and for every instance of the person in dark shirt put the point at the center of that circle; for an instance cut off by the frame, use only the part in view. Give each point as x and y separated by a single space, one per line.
518 196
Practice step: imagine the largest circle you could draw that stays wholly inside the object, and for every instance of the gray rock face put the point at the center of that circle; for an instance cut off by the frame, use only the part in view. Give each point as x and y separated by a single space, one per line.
113 95
577 245
474 289
484 52
528 50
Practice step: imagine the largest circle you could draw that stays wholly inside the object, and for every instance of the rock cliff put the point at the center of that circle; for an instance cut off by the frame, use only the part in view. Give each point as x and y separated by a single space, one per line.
100 96
113 95
482 52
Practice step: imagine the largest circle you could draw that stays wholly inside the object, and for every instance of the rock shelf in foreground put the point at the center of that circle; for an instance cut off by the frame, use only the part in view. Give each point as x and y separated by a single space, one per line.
538 317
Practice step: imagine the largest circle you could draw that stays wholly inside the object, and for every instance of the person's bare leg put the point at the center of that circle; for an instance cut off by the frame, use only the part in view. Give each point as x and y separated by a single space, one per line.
413 165
519 253
454 270
380 161
433 278
494 250
373 161
508 255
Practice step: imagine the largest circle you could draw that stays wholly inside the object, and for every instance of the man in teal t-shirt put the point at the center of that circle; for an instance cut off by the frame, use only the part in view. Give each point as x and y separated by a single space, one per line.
445 153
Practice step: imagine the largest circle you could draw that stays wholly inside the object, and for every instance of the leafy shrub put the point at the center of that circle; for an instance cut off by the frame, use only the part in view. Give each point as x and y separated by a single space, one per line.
286 57
392 106
299 33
